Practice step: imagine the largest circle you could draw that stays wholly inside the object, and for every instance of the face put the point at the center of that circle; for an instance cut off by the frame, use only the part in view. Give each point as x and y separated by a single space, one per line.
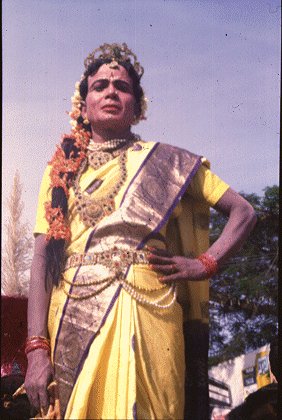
110 101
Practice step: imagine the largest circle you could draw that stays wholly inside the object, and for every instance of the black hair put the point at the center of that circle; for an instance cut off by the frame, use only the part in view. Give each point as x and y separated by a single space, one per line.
56 247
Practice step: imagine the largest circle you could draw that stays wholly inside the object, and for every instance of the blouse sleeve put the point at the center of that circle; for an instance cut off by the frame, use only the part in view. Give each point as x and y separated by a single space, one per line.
206 186
41 224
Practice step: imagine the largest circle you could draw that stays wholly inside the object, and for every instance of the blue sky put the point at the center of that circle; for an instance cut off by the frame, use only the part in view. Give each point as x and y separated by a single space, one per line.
212 77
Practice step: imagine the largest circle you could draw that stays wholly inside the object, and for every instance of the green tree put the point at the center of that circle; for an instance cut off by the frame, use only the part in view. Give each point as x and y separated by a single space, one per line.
243 302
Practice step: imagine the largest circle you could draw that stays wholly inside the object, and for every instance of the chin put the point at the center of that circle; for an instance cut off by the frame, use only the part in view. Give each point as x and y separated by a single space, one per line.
113 122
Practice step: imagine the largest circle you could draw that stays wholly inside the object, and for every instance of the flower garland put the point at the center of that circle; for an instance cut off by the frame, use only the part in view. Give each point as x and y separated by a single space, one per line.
58 228
61 167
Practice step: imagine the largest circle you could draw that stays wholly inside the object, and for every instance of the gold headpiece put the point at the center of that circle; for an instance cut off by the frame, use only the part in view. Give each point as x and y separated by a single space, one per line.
117 53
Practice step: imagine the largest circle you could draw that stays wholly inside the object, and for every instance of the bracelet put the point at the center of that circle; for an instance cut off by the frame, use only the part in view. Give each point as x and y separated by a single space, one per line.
210 264
37 337
37 342
35 346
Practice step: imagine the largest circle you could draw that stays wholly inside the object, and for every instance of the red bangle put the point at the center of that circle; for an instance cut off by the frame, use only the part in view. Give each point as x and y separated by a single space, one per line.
37 337
37 342
210 264
32 347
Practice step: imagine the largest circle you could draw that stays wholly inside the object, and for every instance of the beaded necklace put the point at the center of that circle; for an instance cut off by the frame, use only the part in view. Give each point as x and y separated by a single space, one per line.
99 154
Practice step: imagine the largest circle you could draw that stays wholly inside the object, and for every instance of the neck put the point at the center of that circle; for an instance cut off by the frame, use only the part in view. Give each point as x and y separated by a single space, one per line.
100 136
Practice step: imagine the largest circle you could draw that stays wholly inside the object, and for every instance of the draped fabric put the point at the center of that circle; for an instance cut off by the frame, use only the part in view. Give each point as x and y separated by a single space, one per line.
115 357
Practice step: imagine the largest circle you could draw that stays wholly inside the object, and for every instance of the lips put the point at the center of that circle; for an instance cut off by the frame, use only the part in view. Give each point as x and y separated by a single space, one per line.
111 107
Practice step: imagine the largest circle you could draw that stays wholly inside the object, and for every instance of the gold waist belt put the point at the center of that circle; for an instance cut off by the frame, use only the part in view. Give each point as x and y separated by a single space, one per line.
115 259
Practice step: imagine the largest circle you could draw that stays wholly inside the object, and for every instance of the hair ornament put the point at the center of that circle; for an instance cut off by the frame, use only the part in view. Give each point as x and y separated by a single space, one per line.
118 53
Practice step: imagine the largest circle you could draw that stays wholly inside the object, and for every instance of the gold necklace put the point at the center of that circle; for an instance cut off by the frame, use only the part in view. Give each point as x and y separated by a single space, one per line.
91 211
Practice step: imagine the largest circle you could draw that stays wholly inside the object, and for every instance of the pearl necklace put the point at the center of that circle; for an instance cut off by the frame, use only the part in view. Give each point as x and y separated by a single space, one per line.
101 153
109 144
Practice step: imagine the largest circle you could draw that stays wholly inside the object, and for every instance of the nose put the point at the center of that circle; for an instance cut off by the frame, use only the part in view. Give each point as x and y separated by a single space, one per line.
111 92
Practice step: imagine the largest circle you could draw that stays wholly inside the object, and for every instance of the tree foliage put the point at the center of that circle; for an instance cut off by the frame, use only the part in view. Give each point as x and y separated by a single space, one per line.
243 301
16 257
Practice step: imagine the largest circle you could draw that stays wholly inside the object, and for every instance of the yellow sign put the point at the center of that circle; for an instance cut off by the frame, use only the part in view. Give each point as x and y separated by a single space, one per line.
262 369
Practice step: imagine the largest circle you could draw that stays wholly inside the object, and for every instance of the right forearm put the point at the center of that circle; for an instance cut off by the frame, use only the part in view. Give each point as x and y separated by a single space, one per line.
39 370
39 291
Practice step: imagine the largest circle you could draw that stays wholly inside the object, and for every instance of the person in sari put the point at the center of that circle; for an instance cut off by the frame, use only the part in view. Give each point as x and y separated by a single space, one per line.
118 302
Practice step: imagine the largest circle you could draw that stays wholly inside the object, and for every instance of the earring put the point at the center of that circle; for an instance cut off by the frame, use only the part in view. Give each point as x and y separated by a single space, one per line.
85 121
135 120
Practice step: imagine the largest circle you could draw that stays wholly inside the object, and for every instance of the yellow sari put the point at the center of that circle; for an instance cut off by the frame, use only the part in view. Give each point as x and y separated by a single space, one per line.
114 357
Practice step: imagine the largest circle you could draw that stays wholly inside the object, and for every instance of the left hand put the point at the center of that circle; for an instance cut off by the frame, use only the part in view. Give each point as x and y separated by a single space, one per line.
176 268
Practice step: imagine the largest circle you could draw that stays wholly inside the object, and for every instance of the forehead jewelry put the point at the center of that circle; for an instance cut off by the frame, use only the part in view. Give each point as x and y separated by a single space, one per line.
113 64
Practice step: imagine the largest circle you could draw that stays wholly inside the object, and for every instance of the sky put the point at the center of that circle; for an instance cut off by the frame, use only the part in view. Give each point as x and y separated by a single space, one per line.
212 79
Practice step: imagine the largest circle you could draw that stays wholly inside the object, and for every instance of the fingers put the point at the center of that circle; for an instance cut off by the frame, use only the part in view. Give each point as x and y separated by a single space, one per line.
33 398
44 400
163 264
165 269
36 388
170 278
157 251
39 375
157 259
38 398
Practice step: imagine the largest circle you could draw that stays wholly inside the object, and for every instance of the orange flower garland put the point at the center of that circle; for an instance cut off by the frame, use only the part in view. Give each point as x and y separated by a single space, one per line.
58 228
61 167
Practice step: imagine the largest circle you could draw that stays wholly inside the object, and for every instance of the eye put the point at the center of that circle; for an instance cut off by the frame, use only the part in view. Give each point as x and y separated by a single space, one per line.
123 86
99 86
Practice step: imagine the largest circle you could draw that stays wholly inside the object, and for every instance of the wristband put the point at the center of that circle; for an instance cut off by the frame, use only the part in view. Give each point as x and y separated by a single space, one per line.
210 264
